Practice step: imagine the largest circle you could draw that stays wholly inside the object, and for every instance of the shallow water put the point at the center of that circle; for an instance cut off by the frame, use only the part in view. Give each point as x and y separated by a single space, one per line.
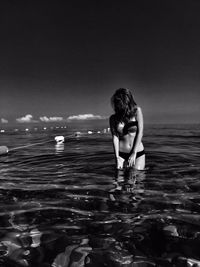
65 205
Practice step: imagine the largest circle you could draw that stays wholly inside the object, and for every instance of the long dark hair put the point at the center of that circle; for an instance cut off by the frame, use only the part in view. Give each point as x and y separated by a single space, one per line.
123 104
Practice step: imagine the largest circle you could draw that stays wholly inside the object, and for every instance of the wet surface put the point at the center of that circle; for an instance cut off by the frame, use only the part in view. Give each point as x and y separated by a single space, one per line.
67 205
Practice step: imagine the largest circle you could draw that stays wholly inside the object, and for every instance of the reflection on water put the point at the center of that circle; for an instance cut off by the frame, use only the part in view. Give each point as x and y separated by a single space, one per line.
66 205
59 148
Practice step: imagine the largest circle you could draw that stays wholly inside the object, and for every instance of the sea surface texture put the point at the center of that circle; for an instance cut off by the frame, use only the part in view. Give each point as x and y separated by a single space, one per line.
66 205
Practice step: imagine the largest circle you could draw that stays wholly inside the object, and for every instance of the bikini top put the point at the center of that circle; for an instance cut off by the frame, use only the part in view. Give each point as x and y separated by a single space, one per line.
130 127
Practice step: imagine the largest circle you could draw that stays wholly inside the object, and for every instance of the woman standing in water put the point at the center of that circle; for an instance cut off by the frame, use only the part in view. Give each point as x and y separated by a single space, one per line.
127 130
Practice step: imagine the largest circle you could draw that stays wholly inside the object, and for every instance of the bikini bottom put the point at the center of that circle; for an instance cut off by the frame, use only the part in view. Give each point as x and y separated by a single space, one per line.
127 155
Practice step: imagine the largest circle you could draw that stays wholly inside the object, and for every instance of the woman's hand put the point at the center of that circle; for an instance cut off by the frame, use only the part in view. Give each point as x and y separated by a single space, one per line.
120 163
131 160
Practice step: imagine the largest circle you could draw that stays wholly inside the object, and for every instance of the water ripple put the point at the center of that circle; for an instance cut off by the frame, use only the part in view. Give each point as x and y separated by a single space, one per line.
67 206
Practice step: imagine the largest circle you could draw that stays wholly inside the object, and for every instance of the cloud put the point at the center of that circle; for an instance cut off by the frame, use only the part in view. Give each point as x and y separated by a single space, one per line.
26 118
85 117
4 120
51 119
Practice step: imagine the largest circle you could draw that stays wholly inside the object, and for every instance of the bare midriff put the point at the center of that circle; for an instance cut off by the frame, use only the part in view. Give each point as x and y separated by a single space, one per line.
126 143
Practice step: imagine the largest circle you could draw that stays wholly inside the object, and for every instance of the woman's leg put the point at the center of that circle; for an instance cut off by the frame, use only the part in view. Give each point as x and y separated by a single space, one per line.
140 162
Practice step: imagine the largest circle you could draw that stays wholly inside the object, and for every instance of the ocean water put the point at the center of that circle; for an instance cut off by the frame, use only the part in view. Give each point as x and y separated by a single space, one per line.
67 206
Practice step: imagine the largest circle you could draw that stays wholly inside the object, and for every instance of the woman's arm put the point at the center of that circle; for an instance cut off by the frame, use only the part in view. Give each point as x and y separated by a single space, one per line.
118 159
115 140
140 129
139 135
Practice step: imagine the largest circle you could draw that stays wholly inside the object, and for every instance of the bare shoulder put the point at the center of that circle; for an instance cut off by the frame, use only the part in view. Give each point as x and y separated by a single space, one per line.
139 115
139 109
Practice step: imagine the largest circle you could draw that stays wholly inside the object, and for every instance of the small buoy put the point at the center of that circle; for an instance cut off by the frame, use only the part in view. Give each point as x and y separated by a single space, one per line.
3 150
77 134
59 139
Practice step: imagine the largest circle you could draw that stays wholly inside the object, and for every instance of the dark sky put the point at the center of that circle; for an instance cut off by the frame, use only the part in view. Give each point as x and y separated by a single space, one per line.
62 58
